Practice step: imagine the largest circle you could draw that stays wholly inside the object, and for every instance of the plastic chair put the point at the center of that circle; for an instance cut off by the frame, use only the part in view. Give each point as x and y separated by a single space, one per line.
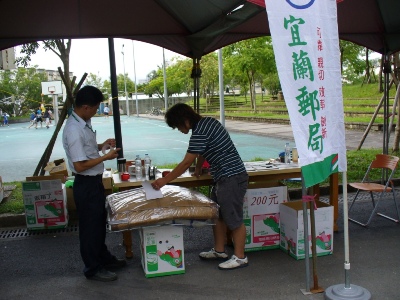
387 164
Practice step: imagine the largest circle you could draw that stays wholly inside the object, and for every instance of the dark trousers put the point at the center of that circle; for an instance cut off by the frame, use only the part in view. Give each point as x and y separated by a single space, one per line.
90 203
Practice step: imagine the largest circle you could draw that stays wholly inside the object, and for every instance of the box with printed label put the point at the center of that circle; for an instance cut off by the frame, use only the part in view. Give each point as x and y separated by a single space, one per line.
162 250
57 167
261 217
45 204
292 229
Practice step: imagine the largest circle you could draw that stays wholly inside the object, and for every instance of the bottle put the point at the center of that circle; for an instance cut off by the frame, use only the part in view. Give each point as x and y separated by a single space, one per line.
147 162
287 153
138 167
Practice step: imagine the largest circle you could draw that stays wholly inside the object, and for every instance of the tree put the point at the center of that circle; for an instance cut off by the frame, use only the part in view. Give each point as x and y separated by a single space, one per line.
209 76
351 63
61 48
24 86
251 57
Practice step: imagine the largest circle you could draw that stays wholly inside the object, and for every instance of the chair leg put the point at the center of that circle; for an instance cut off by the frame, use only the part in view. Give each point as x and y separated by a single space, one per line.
351 206
397 210
372 197
354 200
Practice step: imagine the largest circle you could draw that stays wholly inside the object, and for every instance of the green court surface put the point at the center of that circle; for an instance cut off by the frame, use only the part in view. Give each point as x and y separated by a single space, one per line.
22 148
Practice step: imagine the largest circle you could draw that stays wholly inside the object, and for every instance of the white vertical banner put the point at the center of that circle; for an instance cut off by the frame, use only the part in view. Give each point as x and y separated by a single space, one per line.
306 46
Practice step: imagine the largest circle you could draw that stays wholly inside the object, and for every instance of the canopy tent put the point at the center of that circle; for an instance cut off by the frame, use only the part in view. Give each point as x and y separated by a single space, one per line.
190 28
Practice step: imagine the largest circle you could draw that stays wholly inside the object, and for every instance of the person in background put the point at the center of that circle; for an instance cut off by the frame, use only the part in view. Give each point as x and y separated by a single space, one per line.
51 114
106 111
84 160
39 118
5 119
211 141
32 118
46 117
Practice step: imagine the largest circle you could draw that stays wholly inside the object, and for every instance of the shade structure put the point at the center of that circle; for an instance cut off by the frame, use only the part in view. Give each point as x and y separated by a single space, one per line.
190 28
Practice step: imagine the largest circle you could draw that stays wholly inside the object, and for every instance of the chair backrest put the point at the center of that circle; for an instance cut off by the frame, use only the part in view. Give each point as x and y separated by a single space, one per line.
385 161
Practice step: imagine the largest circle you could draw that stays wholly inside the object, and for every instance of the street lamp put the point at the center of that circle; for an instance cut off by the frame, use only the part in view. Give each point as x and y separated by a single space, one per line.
134 70
126 94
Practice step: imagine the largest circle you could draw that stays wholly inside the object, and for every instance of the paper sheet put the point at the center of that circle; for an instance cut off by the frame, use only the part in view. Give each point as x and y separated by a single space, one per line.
150 192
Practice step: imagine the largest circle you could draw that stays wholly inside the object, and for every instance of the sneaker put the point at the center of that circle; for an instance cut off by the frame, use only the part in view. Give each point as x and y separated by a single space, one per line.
234 263
212 254
104 275
115 263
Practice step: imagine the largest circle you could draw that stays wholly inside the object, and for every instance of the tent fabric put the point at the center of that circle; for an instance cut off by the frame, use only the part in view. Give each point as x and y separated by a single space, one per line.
190 28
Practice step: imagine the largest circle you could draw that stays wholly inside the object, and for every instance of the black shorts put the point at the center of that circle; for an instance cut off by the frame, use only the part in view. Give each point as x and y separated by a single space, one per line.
229 192
39 119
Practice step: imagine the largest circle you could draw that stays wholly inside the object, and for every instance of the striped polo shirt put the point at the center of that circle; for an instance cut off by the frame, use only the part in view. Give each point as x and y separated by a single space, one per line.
211 140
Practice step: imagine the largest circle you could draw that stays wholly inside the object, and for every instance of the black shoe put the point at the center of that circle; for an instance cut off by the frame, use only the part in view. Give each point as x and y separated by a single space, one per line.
104 275
115 263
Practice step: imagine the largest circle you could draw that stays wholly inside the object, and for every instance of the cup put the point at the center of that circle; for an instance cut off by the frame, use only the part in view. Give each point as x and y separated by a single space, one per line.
125 176
295 155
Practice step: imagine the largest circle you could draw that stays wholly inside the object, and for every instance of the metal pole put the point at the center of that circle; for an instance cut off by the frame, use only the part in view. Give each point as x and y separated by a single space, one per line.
346 290
165 82
306 242
134 71
126 94
114 96
221 89
55 103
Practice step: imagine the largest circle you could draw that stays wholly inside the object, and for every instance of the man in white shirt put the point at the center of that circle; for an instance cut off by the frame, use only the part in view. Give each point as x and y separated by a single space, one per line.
84 160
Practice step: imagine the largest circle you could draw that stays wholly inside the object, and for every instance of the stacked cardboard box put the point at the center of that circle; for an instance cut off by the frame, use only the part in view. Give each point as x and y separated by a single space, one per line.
108 189
261 217
45 204
57 167
162 251
292 229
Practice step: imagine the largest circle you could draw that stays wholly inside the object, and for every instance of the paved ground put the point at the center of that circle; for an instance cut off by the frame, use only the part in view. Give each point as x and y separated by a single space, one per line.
48 265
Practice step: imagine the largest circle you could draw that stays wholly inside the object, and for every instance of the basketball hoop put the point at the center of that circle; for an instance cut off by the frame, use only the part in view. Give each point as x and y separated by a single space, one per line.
51 89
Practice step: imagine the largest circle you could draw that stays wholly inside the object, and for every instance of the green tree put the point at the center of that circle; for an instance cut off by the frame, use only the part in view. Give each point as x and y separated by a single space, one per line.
62 49
209 76
351 60
251 57
24 85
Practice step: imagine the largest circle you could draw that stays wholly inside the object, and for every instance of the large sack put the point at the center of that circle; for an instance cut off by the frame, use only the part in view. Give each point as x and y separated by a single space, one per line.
130 209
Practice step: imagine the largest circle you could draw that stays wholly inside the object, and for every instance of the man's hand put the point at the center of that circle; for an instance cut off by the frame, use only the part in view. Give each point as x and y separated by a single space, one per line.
158 184
111 154
197 172
111 142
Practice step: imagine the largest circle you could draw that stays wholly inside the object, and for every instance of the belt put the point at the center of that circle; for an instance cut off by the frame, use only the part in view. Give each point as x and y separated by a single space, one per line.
94 176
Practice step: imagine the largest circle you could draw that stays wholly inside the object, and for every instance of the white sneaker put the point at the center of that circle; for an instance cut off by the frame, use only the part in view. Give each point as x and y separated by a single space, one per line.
234 263
212 254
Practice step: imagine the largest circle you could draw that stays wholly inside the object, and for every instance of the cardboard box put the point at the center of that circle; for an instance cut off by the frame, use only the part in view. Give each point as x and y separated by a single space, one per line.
292 229
45 204
162 250
108 181
57 167
261 216
108 189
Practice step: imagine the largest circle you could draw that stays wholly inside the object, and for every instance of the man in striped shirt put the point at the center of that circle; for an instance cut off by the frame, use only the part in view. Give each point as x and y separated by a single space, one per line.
210 141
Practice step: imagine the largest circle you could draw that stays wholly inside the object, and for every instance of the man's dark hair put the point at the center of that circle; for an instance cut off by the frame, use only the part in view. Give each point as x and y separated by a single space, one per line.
88 95
179 113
